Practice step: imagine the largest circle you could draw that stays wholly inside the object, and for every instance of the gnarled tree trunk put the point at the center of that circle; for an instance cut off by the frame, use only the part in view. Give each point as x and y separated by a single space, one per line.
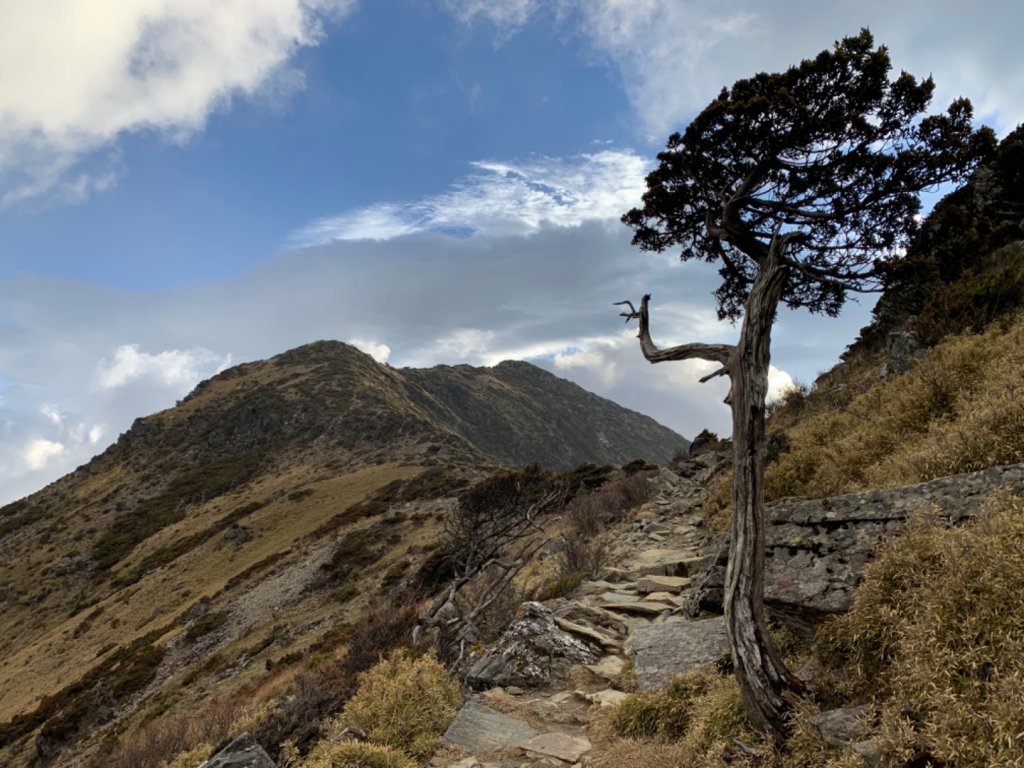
763 678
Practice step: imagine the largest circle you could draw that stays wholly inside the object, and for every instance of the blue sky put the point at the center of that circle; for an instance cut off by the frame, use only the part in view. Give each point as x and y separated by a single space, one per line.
190 185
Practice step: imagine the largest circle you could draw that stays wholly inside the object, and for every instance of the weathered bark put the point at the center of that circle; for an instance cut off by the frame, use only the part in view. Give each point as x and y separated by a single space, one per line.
767 687
764 681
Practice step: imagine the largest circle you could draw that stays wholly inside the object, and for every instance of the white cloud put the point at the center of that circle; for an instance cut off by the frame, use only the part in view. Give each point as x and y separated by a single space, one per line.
175 368
38 452
675 55
379 352
76 76
501 198
507 14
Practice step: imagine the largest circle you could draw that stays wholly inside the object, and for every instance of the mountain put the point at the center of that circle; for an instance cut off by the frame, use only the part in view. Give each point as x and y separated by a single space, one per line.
242 522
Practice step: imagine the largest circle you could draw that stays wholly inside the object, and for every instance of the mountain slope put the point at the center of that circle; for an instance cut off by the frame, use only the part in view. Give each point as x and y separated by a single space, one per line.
259 500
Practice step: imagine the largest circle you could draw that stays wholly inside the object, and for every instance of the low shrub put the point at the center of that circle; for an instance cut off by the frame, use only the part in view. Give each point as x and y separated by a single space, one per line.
405 703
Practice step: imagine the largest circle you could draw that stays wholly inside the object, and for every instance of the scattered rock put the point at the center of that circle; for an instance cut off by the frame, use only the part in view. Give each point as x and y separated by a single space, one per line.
478 728
606 698
242 752
662 651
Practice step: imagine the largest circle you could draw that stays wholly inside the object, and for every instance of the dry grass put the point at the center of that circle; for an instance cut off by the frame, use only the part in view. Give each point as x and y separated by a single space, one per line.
960 409
44 666
937 631
403 702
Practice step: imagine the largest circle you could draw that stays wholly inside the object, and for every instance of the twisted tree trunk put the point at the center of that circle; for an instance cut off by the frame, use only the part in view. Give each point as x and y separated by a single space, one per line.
764 681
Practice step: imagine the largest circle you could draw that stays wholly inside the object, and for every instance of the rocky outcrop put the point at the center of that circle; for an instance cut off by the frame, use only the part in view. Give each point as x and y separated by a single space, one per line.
817 550
532 652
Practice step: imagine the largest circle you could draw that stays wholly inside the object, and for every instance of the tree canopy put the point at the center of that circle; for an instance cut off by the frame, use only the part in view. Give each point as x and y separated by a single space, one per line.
826 155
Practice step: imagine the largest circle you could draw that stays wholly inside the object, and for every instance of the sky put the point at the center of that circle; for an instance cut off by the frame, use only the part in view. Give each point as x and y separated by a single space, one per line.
186 185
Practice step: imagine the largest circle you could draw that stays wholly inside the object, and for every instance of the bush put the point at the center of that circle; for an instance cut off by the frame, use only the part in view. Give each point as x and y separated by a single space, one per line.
937 630
405 703
355 754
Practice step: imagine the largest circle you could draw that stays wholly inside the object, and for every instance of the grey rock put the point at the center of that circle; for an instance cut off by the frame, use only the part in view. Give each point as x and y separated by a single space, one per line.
840 726
662 651
870 751
478 728
532 652
242 752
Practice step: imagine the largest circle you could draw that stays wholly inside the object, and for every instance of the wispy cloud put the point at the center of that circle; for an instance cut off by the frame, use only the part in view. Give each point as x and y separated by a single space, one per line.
500 198
77 76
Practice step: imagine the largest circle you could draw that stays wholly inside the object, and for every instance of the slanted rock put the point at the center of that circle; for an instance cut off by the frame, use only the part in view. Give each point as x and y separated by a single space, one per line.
841 726
662 651
650 584
531 653
242 752
478 728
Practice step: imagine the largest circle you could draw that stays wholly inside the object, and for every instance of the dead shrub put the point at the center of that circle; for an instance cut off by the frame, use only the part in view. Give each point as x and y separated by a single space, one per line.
349 754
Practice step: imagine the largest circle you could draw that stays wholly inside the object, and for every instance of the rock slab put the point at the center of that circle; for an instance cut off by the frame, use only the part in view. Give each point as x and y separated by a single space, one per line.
243 752
560 746
662 651
478 728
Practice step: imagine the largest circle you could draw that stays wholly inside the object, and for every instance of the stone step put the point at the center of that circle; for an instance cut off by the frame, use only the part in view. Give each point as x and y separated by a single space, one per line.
649 584
640 607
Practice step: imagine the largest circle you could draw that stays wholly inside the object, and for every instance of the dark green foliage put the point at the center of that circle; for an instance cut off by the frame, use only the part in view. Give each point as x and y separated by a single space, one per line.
827 154
205 624
354 551
180 546
17 515
587 477
957 243
169 507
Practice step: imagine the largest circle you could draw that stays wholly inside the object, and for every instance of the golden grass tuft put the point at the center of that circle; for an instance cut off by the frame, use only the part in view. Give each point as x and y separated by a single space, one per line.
403 702
355 754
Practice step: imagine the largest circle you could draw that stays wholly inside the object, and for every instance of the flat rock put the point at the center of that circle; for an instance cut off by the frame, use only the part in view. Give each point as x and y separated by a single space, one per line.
636 606
610 667
662 651
242 752
618 597
664 598
649 584
560 746
478 728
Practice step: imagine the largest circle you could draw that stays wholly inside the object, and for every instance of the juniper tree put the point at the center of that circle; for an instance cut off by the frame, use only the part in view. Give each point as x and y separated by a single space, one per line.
801 186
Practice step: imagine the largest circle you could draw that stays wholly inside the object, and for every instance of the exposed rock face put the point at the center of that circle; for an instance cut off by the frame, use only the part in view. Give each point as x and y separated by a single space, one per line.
903 351
243 752
817 550
662 651
532 652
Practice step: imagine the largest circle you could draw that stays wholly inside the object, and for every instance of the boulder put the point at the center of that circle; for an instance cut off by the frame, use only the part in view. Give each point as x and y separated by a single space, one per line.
532 652
841 726
662 651
242 752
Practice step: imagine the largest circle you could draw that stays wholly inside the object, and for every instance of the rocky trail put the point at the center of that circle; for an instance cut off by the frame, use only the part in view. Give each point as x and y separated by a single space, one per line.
564 660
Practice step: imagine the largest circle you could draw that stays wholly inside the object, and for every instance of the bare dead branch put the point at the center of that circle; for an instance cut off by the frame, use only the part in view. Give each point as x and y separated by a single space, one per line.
717 353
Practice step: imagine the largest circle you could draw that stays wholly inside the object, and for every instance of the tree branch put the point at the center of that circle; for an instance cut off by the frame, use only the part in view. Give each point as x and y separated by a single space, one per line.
717 353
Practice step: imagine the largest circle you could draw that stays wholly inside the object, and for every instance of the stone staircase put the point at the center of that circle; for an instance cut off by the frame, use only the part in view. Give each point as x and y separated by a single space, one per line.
565 659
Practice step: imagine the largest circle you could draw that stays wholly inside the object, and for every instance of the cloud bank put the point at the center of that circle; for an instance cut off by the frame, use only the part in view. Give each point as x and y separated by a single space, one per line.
77 76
